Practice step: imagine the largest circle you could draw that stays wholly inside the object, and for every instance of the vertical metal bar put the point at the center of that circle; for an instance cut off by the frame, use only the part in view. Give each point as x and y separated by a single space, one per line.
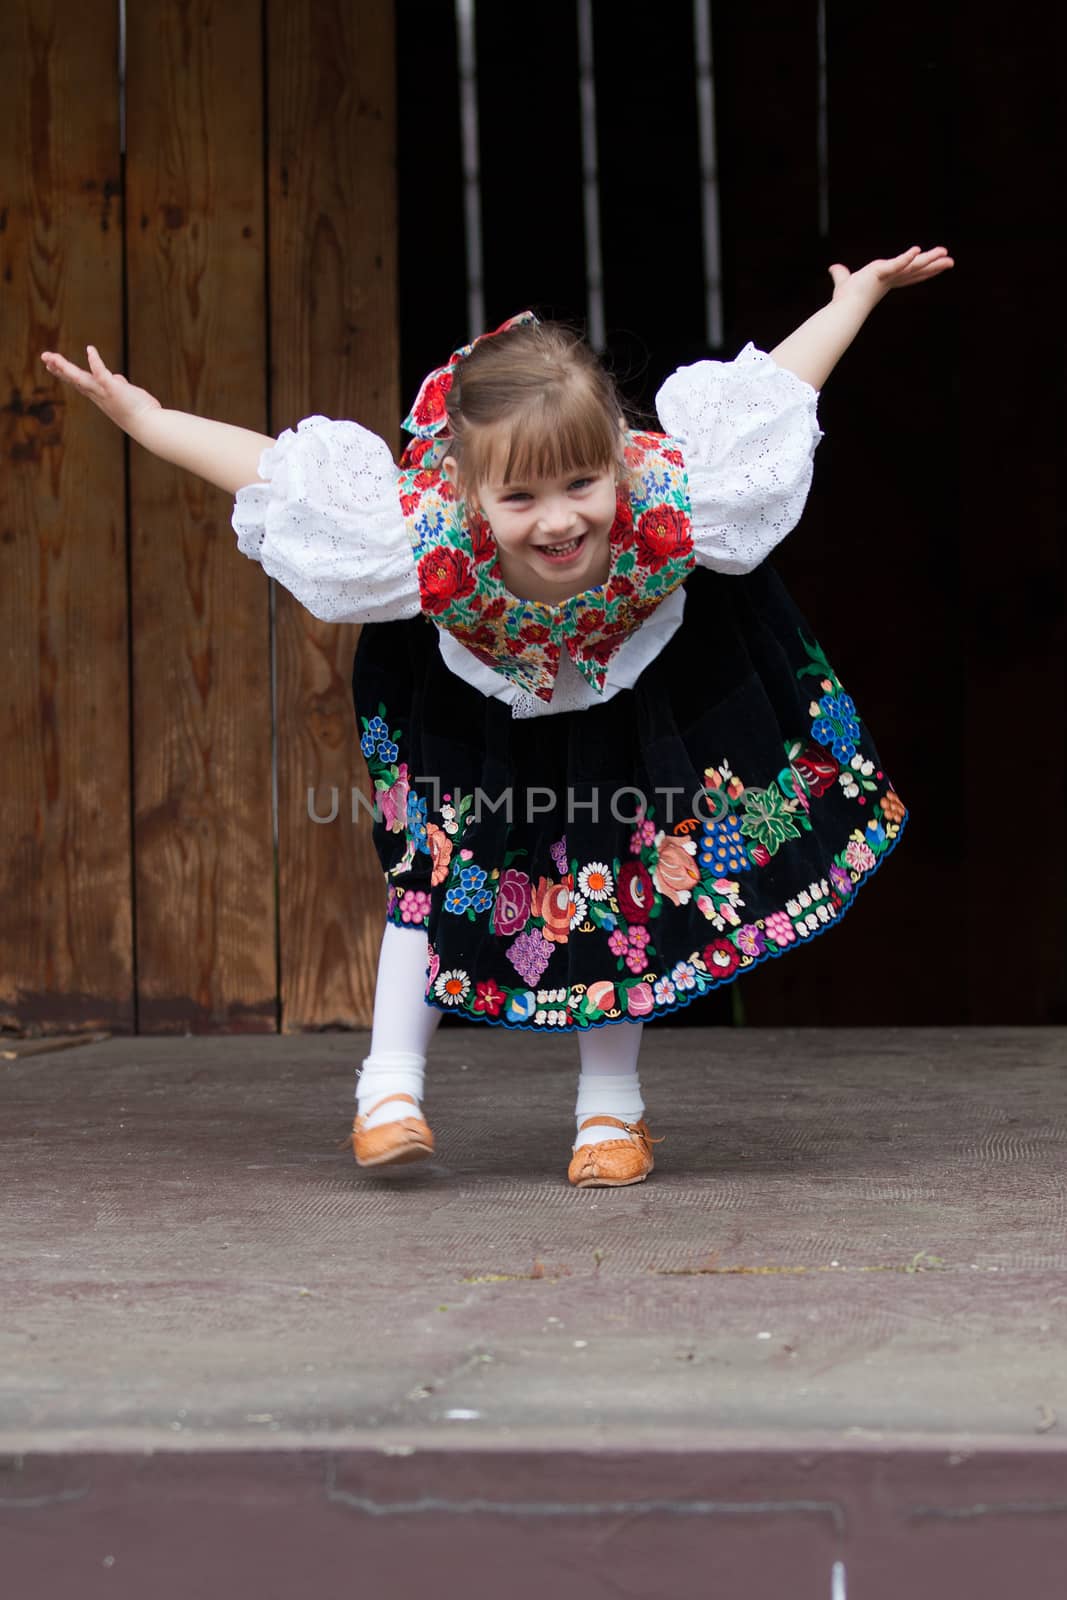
472 188
709 174
823 134
127 517
122 77
272 586
594 272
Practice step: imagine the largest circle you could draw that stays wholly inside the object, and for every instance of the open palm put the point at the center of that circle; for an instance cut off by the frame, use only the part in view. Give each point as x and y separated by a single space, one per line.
116 397
878 277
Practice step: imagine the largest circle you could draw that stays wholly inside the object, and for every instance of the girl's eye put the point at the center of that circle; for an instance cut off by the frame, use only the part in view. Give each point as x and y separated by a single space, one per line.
520 494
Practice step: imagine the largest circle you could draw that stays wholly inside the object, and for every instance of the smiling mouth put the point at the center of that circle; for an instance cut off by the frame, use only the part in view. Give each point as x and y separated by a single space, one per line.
560 552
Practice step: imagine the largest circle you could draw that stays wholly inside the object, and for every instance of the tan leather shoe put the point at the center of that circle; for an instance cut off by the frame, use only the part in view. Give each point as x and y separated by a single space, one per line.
392 1143
615 1162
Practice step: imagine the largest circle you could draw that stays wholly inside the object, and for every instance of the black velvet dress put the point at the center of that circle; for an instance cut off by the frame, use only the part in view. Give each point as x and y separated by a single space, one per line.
613 864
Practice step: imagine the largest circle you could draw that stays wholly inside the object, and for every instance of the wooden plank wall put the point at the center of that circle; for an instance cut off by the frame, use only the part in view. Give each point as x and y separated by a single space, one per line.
267 258
331 175
199 611
66 863
142 891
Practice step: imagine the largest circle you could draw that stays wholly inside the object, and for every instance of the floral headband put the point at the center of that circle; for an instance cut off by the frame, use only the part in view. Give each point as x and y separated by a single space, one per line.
428 417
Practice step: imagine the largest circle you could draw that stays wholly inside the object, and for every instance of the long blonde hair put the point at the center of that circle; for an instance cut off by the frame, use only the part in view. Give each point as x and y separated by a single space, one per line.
533 402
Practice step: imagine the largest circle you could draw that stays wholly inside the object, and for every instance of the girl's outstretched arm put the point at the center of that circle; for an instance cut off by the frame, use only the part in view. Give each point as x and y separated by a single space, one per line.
814 350
223 454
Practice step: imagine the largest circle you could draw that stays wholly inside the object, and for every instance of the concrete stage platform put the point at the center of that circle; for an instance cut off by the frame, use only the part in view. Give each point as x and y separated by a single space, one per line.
821 1351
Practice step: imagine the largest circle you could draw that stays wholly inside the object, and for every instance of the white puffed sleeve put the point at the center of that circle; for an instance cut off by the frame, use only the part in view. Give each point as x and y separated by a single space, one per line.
328 525
748 433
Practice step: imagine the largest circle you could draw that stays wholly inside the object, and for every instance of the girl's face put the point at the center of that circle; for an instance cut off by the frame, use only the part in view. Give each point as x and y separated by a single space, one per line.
552 534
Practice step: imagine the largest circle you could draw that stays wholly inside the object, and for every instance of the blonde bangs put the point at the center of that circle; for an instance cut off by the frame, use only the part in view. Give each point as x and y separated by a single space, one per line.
559 433
532 403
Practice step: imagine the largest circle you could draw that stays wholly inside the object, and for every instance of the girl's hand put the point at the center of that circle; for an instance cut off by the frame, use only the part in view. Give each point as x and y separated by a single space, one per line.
110 391
878 277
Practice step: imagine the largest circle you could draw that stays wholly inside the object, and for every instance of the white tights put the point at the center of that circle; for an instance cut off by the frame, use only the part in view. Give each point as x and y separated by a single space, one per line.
404 1025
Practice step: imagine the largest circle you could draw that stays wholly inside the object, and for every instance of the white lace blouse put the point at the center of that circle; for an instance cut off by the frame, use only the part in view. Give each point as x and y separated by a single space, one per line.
326 519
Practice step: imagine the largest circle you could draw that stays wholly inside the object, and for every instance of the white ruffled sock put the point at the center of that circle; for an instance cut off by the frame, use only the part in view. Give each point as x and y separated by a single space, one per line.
608 1084
403 1027
387 1073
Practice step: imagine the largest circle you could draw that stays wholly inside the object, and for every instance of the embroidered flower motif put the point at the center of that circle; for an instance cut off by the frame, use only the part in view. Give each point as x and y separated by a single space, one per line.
429 404
530 954
837 725
552 902
596 882
636 892
488 998
445 576
841 881
452 988
513 897
601 996
662 535
440 848
721 958
750 941
416 819
643 835
723 847
816 769
779 928
483 545
551 1019
859 855
414 906
393 801
639 1000
891 806
674 871
520 1007
579 911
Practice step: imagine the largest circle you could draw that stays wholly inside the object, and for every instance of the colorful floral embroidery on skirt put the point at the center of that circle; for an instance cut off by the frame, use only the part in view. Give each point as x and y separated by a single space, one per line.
696 879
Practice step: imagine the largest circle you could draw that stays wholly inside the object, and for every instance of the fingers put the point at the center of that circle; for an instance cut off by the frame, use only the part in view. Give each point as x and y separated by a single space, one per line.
96 366
930 262
95 382
62 368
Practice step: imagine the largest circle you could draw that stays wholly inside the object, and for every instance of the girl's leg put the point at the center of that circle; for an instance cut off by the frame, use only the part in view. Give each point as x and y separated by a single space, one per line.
403 1027
608 1082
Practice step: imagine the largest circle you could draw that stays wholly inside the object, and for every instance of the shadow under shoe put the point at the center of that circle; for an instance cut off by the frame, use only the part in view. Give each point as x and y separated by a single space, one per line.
392 1143
615 1162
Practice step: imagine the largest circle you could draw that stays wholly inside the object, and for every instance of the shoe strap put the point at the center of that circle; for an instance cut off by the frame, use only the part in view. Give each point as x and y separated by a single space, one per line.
361 1118
640 1128
410 1098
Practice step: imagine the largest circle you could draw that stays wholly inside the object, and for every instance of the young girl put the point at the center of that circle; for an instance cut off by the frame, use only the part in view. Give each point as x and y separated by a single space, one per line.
613 767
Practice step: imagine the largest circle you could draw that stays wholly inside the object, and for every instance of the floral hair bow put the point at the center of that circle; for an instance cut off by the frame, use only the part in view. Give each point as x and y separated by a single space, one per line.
428 417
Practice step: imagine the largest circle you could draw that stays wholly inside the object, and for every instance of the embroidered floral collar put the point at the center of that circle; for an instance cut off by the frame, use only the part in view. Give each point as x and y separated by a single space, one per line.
463 591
